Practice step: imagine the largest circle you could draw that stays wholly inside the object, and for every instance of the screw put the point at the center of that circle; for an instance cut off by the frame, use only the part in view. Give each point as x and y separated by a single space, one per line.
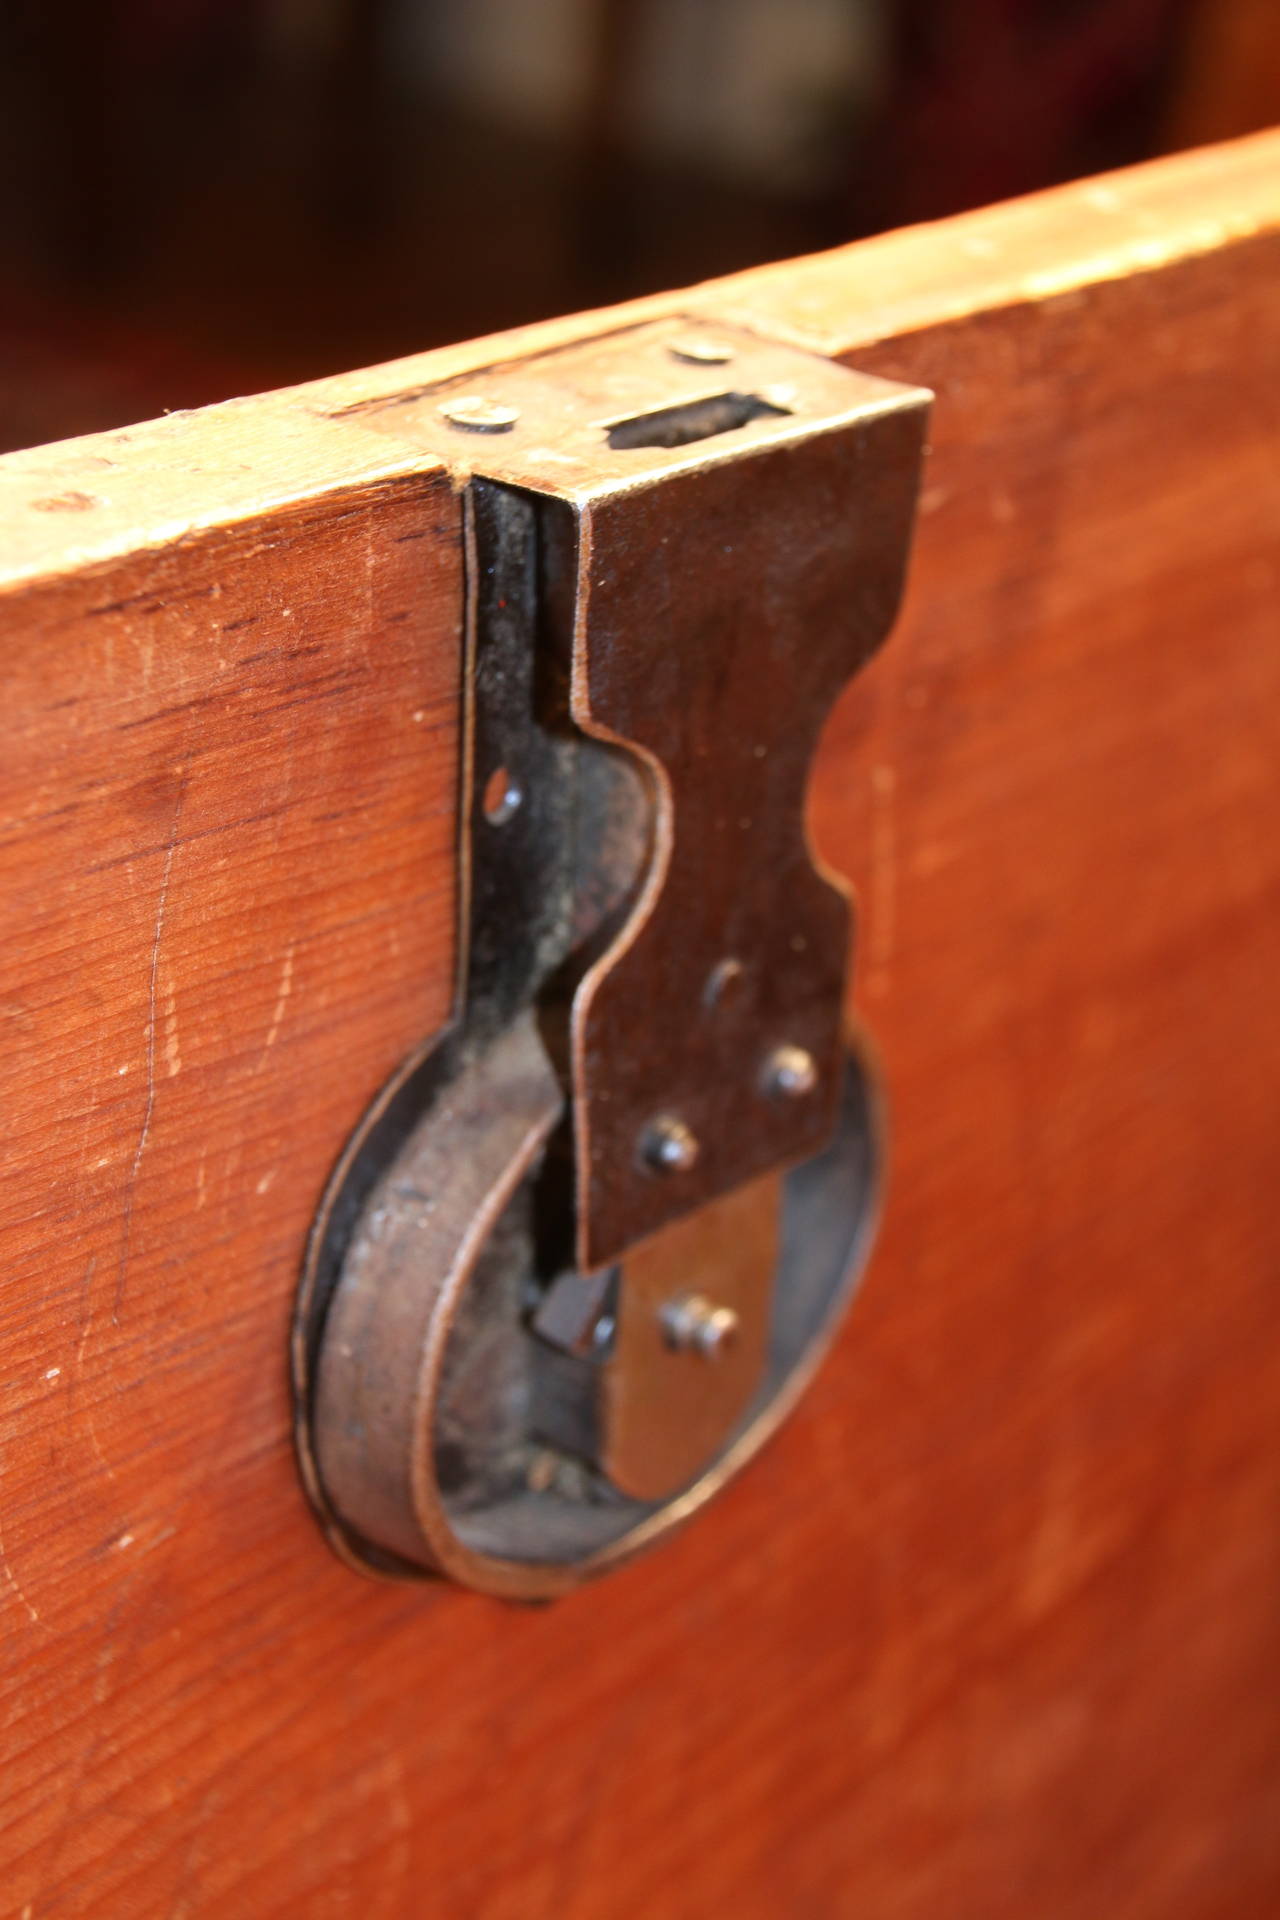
790 1072
694 1324
703 352
724 983
501 798
541 1471
474 414
669 1146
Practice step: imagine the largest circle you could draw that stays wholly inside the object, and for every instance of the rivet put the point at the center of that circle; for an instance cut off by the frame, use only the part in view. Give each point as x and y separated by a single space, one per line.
694 1324
474 414
790 1072
668 1145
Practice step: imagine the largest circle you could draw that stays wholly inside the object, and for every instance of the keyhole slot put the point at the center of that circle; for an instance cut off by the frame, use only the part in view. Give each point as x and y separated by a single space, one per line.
695 420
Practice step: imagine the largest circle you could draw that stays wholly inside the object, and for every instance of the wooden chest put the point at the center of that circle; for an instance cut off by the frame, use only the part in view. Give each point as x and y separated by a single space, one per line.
993 1626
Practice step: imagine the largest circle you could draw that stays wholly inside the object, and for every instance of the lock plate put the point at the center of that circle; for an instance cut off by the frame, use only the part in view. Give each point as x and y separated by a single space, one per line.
682 542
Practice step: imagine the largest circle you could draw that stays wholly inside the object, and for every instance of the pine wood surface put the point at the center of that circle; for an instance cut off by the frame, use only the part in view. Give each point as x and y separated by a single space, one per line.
994 1627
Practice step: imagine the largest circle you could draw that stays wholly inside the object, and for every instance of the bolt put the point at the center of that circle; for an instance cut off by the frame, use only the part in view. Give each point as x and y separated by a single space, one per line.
790 1072
474 414
703 352
694 1324
668 1145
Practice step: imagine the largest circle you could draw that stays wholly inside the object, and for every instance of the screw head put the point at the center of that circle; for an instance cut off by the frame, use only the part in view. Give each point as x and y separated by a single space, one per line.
702 351
669 1146
694 1324
474 414
790 1072
541 1471
502 797
724 983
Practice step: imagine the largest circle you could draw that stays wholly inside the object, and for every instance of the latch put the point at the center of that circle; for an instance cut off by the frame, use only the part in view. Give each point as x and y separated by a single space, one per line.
585 1250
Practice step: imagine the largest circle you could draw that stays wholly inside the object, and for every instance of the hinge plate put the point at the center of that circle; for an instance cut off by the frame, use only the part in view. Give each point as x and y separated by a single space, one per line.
683 541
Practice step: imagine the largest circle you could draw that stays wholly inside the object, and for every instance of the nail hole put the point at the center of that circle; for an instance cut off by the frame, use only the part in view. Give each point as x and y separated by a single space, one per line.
502 796
696 420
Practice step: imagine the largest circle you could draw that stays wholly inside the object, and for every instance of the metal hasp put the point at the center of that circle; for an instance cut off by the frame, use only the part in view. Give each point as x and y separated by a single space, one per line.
586 1249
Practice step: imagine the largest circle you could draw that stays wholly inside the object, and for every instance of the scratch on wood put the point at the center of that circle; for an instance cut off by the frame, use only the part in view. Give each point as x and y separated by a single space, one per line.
87 1320
144 1132
370 562
173 1057
77 1370
193 1854
400 1815
286 988
11 1581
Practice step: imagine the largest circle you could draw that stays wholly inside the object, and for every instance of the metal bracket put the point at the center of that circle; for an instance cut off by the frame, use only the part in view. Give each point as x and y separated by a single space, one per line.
546 1299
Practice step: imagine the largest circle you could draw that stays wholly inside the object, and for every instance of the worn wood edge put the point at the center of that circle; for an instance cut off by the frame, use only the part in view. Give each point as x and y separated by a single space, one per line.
1021 252
84 502
1138 219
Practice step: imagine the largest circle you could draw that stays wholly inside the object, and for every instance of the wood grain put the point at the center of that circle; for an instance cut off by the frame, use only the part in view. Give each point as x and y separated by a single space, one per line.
994 1628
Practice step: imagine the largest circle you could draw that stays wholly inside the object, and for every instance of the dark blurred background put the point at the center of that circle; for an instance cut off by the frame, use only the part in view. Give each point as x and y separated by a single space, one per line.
207 197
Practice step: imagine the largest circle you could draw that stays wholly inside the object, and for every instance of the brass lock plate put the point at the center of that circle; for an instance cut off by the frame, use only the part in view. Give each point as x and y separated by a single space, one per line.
584 1250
